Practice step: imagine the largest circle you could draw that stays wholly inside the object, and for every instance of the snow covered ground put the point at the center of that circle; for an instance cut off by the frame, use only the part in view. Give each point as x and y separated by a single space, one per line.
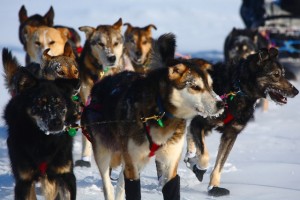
264 163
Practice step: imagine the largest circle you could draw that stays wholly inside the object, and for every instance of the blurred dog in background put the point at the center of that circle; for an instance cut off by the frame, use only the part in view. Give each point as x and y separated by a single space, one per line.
138 46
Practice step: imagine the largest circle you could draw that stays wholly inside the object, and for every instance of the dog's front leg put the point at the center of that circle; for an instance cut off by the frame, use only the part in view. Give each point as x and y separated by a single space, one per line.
198 164
25 190
227 142
120 189
132 179
168 157
135 158
103 158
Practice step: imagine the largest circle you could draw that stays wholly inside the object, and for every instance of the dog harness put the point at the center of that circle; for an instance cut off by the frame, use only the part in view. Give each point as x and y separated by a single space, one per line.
153 147
43 168
229 117
95 107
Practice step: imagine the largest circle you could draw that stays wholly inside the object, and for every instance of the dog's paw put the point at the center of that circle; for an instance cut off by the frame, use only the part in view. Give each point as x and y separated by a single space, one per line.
199 173
82 163
218 191
190 162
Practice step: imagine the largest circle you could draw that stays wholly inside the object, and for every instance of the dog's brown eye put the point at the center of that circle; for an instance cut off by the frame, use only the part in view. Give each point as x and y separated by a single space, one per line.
196 87
37 43
52 42
62 73
101 44
75 71
116 44
144 42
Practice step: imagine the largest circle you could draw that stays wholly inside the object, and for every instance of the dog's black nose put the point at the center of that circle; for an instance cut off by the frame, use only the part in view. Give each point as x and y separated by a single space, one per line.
111 59
138 54
220 104
55 124
295 91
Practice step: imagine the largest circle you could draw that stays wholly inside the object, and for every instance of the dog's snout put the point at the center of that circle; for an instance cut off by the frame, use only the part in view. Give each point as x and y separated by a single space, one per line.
112 59
295 91
55 124
138 53
220 104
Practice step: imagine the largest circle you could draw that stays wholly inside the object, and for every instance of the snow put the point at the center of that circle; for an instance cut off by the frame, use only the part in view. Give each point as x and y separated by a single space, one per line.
264 163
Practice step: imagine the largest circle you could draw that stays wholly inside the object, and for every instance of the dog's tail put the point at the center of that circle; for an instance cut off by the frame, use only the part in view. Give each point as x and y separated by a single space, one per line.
163 50
10 67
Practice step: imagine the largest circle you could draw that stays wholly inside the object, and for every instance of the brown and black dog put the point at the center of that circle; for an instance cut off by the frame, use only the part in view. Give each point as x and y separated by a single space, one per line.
51 67
132 116
240 86
38 39
138 46
102 55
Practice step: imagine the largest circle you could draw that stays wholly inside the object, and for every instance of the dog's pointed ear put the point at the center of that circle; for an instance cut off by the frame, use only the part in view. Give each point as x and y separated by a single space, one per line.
49 17
148 28
23 14
234 31
273 52
46 56
176 71
68 50
118 25
263 55
203 64
88 30
129 27
25 80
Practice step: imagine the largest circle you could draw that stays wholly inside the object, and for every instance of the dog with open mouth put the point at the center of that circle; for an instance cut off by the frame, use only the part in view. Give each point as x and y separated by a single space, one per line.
240 85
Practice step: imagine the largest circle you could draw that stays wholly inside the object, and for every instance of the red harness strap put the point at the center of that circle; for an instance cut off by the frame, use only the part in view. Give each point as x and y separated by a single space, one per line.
86 134
79 49
153 147
43 168
229 118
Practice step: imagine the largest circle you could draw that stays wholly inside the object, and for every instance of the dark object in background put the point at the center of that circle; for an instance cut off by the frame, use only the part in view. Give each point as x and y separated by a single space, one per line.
252 13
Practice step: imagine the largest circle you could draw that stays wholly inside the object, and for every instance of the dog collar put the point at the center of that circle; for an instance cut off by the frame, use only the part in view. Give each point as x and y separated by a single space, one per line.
161 108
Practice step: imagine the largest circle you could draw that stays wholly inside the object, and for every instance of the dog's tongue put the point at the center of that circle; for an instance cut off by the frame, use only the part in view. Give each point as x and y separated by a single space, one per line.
278 97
